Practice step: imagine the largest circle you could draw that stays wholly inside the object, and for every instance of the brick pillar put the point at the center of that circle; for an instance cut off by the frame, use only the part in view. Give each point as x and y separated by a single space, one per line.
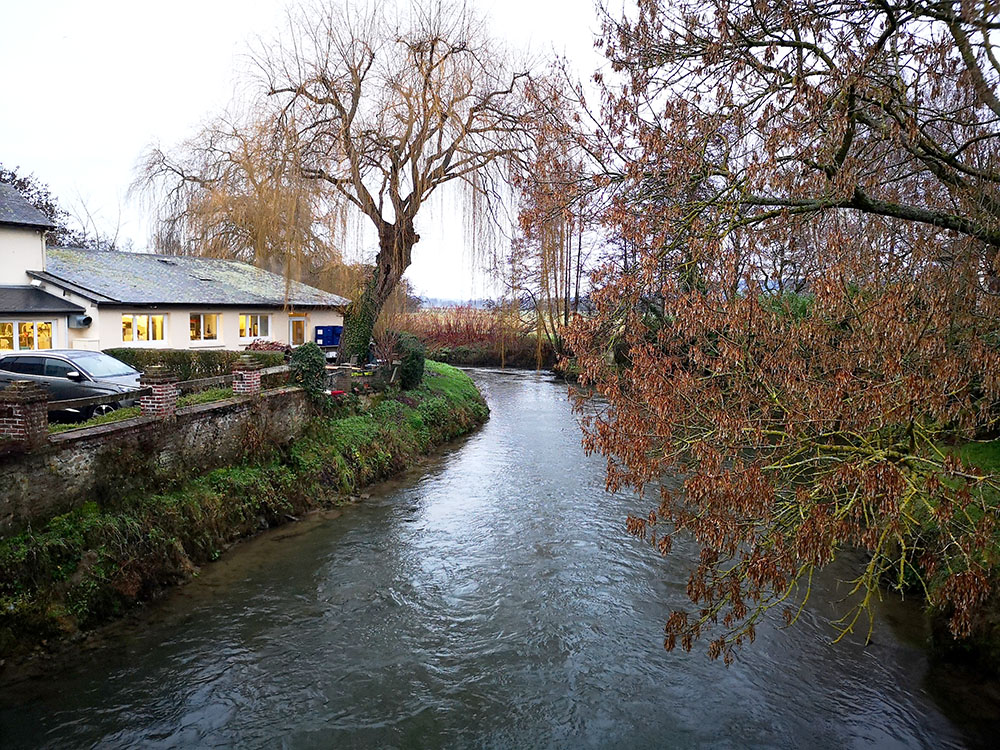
162 403
24 414
246 377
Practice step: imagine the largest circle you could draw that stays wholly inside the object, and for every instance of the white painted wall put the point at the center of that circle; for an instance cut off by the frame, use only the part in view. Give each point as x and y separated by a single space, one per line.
21 249
106 330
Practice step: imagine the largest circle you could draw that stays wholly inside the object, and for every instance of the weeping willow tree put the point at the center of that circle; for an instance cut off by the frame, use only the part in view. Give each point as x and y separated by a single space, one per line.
234 191
362 112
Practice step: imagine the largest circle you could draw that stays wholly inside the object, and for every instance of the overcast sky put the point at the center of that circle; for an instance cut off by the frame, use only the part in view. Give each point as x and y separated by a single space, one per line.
87 85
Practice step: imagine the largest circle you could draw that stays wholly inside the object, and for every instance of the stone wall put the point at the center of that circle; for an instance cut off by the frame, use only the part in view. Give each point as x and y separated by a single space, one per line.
108 462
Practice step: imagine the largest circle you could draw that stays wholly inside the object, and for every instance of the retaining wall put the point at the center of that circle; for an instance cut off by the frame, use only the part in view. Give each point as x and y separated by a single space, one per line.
107 462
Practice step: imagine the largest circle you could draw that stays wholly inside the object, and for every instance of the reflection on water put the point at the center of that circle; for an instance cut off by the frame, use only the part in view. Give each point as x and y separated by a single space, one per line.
492 600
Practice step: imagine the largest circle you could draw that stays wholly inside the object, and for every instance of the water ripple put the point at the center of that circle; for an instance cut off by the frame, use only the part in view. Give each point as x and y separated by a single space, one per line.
493 602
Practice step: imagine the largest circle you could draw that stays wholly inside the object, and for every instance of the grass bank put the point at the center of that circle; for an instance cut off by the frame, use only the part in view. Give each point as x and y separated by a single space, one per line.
88 566
981 651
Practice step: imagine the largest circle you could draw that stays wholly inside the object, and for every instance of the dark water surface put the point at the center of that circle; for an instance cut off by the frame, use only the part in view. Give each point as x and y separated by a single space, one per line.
493 600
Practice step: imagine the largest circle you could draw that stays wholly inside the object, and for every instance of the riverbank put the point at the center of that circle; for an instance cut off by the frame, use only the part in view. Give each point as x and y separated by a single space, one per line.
90 565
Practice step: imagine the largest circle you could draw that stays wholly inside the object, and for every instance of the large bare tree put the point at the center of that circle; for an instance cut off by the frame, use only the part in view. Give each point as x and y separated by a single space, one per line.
381 107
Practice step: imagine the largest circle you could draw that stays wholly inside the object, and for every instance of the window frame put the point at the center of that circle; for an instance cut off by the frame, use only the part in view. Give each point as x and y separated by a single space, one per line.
292 320
16 324
202 341
246 315
147 342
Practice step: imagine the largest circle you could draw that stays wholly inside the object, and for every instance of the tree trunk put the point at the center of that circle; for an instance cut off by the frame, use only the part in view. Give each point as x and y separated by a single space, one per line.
395 247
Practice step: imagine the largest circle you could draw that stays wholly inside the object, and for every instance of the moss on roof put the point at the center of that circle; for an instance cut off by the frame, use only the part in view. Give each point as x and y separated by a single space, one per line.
147 279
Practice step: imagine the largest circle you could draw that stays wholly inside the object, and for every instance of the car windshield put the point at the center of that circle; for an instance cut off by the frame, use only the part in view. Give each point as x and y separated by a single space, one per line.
99 365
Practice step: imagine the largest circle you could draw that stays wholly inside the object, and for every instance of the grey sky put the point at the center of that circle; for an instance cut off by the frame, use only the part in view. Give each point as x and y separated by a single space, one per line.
87 85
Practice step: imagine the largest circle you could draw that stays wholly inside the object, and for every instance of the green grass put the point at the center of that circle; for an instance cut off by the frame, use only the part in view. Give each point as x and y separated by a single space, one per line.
129 412
985 455
202 397
205 397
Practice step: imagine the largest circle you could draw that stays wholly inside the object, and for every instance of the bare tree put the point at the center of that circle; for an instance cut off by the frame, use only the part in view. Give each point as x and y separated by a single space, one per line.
381 109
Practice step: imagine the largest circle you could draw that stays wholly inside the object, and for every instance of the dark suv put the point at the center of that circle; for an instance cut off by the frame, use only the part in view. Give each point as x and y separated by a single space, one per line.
70 374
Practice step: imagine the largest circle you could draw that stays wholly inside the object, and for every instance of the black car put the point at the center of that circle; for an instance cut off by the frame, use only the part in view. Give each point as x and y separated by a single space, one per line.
70 374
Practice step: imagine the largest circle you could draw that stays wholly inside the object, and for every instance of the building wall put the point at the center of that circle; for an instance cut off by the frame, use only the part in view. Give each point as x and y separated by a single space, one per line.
21 249
106 330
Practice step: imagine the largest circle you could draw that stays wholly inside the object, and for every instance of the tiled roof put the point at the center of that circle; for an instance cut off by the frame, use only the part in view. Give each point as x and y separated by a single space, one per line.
147 279
28 299
15 209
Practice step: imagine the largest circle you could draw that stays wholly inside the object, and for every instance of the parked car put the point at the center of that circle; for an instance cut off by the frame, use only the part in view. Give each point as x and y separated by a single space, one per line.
70 374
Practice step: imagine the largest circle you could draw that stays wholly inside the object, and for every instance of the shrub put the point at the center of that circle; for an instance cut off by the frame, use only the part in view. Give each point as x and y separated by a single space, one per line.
308 368
188 364
411 352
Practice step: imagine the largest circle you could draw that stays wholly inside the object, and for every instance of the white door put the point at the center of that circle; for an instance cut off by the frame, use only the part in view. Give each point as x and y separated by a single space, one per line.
296 331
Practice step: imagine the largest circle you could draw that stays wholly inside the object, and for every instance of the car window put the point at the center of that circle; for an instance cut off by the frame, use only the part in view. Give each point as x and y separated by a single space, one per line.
28 365
7 364
99 365
57 368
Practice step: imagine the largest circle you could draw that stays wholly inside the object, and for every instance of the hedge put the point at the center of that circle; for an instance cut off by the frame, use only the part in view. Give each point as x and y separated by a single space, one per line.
191 364
411 352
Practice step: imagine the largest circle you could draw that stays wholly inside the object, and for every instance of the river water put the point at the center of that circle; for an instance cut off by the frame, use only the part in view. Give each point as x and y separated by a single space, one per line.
491 599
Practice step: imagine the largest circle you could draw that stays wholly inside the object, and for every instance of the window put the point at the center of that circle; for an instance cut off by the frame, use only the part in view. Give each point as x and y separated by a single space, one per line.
143 327
296 331
26 366
25 335
100 365
253 326
43 333
57 368
204 327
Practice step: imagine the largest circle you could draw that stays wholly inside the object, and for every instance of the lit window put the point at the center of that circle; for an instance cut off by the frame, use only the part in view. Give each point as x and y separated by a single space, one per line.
204 327
25 335
254 326
143 327
44 340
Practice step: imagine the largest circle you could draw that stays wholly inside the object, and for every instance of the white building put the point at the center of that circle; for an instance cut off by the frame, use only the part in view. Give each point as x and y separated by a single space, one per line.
54 298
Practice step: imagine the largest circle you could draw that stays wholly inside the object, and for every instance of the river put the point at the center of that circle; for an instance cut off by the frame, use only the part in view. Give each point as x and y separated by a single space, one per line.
490 599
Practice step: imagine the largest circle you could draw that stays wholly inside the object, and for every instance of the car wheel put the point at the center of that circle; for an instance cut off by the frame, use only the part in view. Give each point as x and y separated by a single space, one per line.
101 409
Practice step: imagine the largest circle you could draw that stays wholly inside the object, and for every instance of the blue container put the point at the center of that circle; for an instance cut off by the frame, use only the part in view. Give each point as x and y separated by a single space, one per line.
328 335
